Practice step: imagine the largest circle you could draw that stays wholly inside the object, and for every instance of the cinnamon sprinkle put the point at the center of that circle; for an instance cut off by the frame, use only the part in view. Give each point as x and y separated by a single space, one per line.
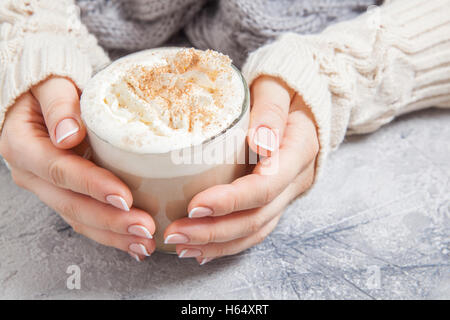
175 82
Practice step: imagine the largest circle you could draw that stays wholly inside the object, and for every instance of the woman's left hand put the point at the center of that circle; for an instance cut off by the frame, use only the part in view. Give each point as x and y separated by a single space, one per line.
227 219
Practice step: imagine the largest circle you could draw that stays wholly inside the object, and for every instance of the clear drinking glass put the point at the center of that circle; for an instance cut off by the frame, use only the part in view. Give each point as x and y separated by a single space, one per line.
163 184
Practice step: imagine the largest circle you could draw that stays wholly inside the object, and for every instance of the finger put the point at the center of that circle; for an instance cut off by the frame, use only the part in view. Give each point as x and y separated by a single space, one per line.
206 253
23 119
271 99
67 170
209 252
23 134
138 244
204 260
270 177
138 248
230 227
136 257
60 105
85 210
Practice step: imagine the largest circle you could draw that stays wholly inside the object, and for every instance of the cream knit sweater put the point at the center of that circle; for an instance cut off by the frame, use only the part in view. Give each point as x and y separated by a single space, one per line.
355 76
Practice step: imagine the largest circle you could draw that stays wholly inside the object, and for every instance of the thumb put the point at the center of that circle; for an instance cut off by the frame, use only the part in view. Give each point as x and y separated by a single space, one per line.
271 100
60 106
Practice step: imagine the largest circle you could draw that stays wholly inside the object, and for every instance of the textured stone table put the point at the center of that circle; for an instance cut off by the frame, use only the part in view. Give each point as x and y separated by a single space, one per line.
375 227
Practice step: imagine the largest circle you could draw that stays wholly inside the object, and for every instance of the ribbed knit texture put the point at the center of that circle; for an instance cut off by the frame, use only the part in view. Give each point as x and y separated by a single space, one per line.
358 75
355 76
234 27
133 25
237 27
39 39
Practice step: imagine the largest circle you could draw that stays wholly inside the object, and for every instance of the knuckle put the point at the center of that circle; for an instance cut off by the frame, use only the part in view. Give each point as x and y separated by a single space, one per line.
69 209
260 237
111 223
268 194
56 173
87 185
234 199
212 232
254 224
211 236
311 151
54 105
315 147
77 227
221 251
273 111
18 180
276 110
309 181
90 184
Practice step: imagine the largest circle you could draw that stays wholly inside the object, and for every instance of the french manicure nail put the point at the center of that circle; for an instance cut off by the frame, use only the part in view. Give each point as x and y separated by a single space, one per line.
135 256
205 260
117 202
176 238
65 129
190 253
140 231
139 248
265 138
200 212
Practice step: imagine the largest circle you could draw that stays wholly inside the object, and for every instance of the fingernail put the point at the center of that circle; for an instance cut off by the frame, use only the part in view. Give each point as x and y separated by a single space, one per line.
190 253
205 260
139 248
135 256
117 202
66 128
176 238
200 212
140 231
265 138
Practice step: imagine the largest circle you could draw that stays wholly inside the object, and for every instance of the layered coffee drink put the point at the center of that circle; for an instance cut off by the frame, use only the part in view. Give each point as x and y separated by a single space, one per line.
170 122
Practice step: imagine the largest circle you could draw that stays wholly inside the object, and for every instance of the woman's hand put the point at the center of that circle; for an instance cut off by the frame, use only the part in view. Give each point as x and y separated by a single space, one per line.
38 134
227 219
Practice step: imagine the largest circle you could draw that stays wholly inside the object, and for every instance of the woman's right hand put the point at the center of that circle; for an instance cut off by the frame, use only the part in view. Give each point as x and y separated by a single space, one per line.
37 139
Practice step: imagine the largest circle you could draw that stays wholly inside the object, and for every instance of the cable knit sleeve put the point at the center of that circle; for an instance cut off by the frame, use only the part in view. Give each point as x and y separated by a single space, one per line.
39 38
358 75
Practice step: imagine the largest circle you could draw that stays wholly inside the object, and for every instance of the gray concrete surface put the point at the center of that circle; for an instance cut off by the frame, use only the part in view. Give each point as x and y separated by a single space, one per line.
375 227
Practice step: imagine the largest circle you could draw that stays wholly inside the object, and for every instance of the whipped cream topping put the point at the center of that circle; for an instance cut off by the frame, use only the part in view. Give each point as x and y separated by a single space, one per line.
164 99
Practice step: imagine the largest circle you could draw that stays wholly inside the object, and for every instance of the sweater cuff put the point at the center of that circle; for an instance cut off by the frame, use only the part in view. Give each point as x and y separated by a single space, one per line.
296 65
42 56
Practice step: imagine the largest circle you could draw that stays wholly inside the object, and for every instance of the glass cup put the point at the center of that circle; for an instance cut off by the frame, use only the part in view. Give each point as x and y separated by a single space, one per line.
163 184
